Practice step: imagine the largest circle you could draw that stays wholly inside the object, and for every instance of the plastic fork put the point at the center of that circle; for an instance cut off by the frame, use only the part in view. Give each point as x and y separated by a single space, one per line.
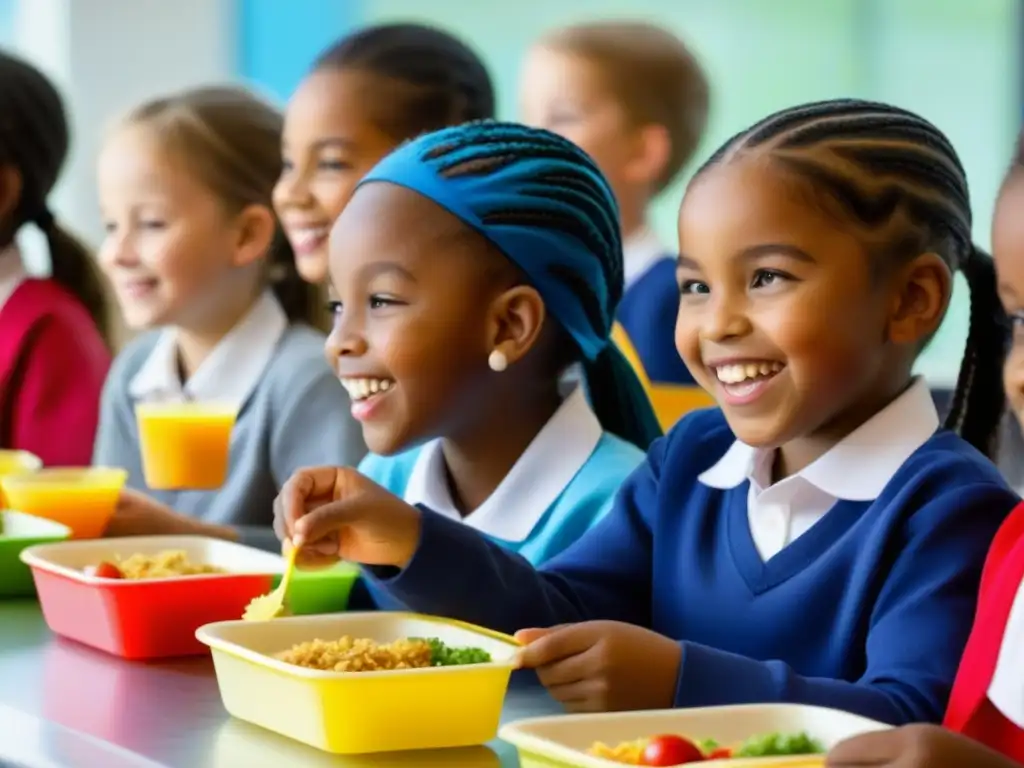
272 605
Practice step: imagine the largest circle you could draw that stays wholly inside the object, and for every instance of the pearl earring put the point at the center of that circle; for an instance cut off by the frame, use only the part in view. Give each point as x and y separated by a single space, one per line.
497 361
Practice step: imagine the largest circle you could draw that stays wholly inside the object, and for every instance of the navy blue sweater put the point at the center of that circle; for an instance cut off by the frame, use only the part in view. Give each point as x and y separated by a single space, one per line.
868 611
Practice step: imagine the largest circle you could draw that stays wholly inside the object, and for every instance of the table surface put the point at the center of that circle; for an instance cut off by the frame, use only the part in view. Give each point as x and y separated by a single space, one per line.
64 704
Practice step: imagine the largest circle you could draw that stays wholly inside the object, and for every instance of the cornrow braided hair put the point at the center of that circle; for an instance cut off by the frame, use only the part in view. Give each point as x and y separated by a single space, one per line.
541 202
899 178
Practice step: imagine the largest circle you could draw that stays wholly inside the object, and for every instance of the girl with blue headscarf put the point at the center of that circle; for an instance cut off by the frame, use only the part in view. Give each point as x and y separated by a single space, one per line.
470 270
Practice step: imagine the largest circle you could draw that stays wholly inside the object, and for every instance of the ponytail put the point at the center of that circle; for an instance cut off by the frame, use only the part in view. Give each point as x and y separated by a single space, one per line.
619 400
73 267
302 302
979 399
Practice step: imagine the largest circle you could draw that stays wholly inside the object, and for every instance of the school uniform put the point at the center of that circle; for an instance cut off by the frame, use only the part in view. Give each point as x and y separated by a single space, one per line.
851 584
987 702
53 362
293 413
645 329
564 482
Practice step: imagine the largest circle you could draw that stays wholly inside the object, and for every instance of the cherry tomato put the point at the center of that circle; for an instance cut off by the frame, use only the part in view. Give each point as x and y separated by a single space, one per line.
720 753
670 750
108 571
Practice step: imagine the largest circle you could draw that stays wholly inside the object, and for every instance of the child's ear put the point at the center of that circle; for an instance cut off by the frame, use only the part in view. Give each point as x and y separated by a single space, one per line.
923 289
10 191
517 320
255 227
654 150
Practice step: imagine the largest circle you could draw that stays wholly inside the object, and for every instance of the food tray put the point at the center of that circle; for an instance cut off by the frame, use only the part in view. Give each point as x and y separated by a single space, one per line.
361 712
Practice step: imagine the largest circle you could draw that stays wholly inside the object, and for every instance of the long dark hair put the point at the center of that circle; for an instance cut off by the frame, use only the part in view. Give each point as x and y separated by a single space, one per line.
34 140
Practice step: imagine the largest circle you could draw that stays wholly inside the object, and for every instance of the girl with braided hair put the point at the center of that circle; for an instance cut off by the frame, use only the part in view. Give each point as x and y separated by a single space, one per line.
54 350
471 268
984 723
819 537
365 95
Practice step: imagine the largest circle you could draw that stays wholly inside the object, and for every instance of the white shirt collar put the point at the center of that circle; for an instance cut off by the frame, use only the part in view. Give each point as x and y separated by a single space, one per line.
537 479
12 273
860 465
639 251
229 373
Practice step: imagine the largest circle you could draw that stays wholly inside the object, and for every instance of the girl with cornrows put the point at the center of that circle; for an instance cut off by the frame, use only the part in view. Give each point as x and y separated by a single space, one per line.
470 269
819 537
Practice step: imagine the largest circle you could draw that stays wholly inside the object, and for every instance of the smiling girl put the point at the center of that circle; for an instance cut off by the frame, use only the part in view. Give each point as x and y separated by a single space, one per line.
365 95
469 270
197 259
820 538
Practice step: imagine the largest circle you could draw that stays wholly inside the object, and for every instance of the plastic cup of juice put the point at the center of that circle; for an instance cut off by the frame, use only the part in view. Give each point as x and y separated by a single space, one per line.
17 463
185 445
81 498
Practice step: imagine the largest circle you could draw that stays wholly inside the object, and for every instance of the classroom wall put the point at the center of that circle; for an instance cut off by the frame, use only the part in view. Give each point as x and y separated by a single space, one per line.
954 61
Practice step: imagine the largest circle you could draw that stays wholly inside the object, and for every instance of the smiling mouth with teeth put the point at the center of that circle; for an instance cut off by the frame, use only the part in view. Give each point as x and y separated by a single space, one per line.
363 389
738 373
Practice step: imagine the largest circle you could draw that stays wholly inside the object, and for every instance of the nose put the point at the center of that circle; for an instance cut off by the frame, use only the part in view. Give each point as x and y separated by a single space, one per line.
292 189
726 317
346 338
118 251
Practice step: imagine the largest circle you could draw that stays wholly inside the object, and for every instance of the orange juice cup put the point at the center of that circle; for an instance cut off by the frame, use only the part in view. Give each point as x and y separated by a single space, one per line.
82 498
17 463
185 446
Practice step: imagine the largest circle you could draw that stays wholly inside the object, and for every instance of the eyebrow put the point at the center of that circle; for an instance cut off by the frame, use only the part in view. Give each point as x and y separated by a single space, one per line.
333 142
388 268
757 252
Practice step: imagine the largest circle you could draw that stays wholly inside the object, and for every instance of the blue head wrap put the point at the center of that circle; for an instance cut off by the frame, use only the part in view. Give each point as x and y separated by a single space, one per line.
541 201
576 262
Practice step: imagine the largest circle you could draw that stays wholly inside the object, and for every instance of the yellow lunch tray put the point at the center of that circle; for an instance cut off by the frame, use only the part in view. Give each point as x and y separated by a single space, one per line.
361 712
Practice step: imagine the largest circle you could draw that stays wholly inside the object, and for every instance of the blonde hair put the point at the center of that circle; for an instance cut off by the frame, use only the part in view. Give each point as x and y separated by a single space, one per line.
232 142
653 76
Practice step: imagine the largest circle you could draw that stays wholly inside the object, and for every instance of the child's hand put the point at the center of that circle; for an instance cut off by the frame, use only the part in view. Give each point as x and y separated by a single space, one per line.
137 514
915 746
336 513
602 666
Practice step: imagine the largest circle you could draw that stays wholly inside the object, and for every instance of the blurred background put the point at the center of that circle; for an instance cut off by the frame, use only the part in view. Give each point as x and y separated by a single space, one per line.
957 62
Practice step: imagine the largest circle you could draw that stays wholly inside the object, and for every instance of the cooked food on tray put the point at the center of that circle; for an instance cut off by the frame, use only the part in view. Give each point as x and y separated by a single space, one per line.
162 565
352 654
671 749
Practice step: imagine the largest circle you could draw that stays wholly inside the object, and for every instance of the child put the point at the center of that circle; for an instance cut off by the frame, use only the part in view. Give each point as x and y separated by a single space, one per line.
987 703
53 351
636 100
195 253
367 94
818 539
464 289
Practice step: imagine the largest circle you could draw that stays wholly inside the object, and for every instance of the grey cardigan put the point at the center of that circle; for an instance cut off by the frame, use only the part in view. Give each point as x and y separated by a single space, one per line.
296 416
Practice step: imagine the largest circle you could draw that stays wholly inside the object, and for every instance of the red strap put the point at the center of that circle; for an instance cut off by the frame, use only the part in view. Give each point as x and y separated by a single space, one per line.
1004 572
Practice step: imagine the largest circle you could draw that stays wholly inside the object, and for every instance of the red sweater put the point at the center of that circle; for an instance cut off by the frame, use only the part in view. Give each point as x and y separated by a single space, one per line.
53 362
970 711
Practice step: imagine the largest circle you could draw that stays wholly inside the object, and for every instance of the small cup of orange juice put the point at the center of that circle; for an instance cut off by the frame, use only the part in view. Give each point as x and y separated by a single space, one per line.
17 463
81 498
185 445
